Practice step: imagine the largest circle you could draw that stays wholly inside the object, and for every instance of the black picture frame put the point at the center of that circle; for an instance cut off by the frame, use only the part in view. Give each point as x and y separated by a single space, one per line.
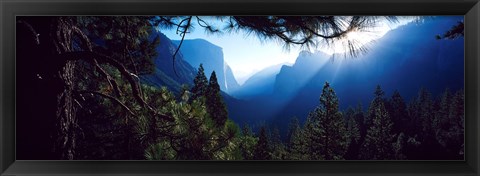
10 9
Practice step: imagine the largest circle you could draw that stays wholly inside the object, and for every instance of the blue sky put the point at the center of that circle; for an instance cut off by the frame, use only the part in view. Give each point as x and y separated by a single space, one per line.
246 54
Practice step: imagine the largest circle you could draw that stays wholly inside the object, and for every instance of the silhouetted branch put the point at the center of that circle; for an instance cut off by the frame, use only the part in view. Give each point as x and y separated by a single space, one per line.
454 32
32 31
183 33
89 56
109 97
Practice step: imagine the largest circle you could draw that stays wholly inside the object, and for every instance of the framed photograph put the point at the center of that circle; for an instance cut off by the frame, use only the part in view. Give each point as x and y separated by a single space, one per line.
235 88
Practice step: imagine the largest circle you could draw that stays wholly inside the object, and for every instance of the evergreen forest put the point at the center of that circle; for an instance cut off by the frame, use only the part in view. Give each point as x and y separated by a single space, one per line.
85 92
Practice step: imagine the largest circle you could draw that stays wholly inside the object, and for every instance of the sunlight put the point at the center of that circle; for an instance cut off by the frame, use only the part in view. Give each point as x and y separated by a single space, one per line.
364 37
358 38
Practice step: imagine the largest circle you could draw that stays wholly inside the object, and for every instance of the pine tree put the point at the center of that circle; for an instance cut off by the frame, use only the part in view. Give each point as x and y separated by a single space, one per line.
449 124
200 82
215 105
262 149
375 103
296 141
328 133
353 135
426 113
379 139
359 117
279 152
398 112
425 108
293 125
352 126
399 147
248 143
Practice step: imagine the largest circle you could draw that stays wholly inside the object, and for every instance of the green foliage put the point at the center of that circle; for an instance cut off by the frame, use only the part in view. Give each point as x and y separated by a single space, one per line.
200 84
449 123
399 147
279 151
215 105
351 126
248 143
374 104
297 146
379 138
398 112
262 149
124 38
327 128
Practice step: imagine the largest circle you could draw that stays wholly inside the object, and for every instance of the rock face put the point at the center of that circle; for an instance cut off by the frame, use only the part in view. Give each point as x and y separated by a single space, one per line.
164 74
199 51
259 84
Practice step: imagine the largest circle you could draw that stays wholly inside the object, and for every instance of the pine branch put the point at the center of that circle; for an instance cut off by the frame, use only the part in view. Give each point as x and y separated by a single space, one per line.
89 56
109 97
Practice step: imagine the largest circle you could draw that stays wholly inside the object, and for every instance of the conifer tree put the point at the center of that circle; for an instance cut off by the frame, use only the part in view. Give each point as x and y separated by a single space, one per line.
359 117
279 152
328 133
449 124
215 105
352 126
248 143
353 135
398 112
399 147
375 103
293 126
296 141
200 84
379 138
426 113
262 149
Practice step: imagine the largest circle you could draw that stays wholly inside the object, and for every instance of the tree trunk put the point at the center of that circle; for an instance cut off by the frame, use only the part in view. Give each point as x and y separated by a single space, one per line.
66 113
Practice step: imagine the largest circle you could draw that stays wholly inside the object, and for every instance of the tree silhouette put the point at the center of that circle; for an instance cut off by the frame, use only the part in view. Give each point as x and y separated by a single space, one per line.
353 132
455 32
248 143
262 149
296 141
379 139
200 84
304 31
328 133
215 105
398 111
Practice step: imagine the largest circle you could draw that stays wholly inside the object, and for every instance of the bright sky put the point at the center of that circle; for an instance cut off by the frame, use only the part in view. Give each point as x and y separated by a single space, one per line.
246 54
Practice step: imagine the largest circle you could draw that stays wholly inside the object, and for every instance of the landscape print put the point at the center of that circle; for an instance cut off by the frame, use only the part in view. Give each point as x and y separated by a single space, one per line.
305 88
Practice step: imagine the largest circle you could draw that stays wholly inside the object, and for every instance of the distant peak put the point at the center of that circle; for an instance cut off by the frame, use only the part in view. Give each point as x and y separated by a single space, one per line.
304 53
199 41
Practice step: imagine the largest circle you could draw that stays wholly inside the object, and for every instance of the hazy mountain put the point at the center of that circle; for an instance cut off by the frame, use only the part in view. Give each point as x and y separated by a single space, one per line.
405 59
292 78
259 84
199 51
230 81
164 74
